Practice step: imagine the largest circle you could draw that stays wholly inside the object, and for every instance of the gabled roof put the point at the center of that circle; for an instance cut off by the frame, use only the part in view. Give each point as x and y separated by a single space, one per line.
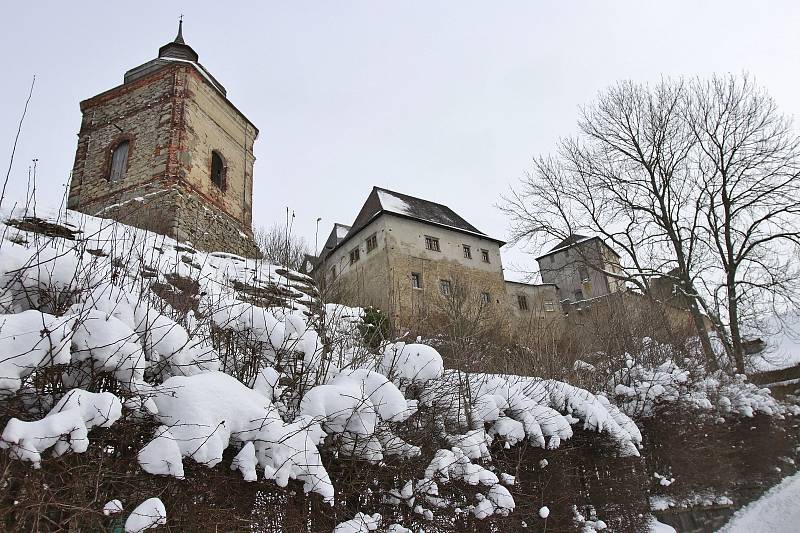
382 201
572 240
337 235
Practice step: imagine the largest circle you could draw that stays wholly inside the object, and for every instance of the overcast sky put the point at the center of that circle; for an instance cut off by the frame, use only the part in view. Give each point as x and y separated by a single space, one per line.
447 101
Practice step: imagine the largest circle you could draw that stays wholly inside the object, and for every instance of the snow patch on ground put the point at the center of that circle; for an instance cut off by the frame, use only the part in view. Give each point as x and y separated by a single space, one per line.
777 511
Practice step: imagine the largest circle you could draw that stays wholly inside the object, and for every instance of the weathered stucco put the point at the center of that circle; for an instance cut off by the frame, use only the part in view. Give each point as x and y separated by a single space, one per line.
383 277
172 119
579 268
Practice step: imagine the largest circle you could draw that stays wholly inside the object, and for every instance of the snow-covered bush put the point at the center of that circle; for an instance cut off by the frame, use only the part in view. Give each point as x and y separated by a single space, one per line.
212 366
640 388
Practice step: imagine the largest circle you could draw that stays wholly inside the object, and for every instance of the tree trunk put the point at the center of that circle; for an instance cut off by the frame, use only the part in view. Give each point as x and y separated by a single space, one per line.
705 341
733 320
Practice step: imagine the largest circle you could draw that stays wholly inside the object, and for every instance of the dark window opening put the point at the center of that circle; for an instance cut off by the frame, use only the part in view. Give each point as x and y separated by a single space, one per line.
467 252
217 170
416 280
522 301
485 255
486 298
432 243
355 255
119 162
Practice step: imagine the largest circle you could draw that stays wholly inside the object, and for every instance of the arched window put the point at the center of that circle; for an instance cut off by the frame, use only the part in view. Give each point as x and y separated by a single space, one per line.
119 162
217 170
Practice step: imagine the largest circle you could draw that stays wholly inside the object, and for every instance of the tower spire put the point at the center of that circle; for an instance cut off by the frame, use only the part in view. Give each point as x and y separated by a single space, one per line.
179 37
178 48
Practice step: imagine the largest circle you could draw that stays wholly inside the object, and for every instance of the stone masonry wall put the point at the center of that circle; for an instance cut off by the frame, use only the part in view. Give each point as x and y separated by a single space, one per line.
141 113
178 213
172 120
213 124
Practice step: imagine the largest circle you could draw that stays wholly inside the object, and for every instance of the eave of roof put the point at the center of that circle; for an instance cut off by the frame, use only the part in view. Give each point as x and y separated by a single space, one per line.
374 217
531 284
558 249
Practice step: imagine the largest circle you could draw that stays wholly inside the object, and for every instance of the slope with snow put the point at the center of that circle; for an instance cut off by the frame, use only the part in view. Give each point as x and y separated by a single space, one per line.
219 352
777 511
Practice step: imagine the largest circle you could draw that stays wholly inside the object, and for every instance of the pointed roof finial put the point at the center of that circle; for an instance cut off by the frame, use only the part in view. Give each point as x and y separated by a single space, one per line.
179 37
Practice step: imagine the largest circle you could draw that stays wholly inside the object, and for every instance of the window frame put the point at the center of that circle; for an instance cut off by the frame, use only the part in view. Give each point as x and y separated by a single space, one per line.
485 255
445 287
522 302
123 170
372 242
432 243
416 280
486 298
549 306
467 251
355 255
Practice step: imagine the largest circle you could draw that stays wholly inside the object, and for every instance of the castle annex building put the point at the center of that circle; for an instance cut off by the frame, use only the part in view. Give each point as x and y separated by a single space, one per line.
168 152
579 266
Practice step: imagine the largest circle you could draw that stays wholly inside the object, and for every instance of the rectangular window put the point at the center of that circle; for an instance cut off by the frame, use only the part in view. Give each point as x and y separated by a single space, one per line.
549 306
372 242
522 302
432 243
467 252
485 255
578 295
355 255
416 280
119 160
445 287
486 298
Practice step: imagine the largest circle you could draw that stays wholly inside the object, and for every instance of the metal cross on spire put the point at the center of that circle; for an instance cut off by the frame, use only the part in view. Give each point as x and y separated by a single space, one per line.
179 38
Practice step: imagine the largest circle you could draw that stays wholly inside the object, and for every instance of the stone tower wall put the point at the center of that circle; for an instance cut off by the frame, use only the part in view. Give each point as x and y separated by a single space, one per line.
142 113
211 123
172 118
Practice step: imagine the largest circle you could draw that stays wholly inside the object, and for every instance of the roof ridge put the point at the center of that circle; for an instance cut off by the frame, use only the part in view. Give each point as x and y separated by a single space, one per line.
384 189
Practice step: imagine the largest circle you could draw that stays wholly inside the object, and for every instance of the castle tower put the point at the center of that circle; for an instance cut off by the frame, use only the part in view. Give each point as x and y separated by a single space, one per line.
168 152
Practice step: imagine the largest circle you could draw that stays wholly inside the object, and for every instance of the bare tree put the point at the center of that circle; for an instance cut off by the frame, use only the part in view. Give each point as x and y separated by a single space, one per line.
626 179
747 161
693 182
279 246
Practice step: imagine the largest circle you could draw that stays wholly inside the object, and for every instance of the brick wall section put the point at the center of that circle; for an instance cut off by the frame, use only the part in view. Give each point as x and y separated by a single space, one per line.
173 119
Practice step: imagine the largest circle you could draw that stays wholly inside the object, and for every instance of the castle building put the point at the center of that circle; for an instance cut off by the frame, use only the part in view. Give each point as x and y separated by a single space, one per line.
415 260
168 152
579 266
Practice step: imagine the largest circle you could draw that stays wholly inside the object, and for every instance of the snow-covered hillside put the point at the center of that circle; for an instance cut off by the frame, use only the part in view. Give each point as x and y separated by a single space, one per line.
221 359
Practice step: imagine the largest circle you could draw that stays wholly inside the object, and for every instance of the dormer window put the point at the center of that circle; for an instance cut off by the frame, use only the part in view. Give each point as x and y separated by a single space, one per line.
217 170
119 162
